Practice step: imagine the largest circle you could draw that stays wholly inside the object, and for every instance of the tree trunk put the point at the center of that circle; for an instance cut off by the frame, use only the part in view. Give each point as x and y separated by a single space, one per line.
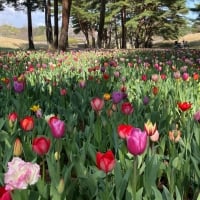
116 35
63 41
101 23
87 39
30 32
48 24
109 36
137 43
123 21
92 33
56 32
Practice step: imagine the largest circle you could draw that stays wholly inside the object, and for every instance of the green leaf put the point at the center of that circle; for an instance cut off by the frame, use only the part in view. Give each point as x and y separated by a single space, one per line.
176 163
20 194
43 189
124 183
139 194
198 198
157 193
2 122
178 196
166 194
150 175
196 166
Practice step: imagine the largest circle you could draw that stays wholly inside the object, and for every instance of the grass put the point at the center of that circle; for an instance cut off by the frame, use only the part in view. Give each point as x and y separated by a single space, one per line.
10 43
193 40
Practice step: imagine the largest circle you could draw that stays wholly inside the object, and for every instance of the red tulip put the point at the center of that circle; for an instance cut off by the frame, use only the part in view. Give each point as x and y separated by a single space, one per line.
106 76
155 90
144 77
195 76
27 123
41 145
4 194
183 106
124 130
97 104
163 76
105 161
127 108
57 127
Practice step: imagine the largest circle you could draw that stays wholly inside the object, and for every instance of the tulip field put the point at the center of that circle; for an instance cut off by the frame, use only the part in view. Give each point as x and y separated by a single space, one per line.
100 125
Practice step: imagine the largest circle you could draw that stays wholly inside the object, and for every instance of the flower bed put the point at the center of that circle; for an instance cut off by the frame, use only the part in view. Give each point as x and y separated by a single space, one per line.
100 125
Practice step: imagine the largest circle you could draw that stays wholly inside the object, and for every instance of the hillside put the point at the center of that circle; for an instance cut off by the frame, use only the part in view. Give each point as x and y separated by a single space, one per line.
16 38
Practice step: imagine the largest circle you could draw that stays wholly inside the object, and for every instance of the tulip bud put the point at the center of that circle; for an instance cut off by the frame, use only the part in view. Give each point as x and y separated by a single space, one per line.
17 151
57 156
61 186
12 118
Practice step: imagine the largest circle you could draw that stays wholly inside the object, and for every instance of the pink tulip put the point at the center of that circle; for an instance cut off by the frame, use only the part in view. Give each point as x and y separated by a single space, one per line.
197 116
57 127
185 76
97 104
20 174
137 141
155 77
155 136
63 91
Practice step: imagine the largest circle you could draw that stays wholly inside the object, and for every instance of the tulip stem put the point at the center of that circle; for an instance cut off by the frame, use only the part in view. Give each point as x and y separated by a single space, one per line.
127 121
59 148
43 168
134 179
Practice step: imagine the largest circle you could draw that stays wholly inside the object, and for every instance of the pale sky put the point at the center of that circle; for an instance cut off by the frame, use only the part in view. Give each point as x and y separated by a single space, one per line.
19 19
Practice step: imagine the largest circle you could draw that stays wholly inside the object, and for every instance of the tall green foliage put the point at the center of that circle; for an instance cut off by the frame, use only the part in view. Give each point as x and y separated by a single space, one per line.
84 18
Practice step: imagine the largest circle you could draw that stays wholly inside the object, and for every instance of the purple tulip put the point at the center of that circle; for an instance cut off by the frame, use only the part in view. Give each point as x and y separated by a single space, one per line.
117 97
103 69
145 100
137 141
82 83
18 86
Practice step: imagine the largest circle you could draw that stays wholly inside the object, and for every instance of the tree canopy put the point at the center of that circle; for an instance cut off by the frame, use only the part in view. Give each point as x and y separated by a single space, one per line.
115 23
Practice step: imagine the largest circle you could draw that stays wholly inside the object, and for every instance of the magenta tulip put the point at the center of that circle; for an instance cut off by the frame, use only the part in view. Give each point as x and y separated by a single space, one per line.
57 127
137 141
127 108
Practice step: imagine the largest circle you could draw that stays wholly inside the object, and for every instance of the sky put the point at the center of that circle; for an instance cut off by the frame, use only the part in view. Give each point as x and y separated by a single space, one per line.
19 19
